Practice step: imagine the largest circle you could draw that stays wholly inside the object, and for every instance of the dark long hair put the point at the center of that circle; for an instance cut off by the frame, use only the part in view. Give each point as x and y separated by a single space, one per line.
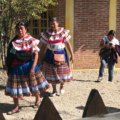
21 23
53 18
111 32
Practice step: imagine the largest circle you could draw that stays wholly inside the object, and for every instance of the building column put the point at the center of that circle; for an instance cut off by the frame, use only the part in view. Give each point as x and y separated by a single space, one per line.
112 14
69 20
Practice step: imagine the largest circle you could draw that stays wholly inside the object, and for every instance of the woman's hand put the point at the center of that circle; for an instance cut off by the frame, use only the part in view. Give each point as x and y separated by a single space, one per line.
112 46
32 72
72 58
39 63
108 45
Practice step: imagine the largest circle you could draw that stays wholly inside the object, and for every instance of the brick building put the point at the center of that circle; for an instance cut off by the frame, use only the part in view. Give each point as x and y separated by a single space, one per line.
88 21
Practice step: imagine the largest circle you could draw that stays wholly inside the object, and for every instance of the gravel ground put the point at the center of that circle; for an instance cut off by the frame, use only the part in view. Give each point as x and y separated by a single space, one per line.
72 103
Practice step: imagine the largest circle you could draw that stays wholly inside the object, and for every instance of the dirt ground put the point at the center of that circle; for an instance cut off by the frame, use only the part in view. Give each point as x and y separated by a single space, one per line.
71 104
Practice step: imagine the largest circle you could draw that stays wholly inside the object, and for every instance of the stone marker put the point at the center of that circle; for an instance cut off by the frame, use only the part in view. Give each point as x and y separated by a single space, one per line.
95 105
47 111
1 116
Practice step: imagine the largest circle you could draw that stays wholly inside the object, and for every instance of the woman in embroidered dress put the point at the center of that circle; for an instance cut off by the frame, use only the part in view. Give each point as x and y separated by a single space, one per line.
24 76
56 38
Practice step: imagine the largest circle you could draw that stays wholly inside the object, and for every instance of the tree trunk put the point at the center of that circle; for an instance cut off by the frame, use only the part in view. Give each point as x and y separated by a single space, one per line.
7 38
1 65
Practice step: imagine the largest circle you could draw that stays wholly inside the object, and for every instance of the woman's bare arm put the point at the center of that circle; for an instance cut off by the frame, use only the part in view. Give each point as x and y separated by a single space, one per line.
68 45
102 45
42 49
34 63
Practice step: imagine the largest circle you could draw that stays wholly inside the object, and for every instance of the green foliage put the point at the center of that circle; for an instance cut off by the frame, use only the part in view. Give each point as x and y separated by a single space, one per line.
13 11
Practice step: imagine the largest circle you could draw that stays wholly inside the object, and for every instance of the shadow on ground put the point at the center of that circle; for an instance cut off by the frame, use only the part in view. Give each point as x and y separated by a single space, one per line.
109 109
5 107
112 109
66 113
43 94
2 87
85 80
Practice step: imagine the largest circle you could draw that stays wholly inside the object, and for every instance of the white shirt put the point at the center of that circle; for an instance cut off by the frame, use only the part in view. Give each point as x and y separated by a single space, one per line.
114 41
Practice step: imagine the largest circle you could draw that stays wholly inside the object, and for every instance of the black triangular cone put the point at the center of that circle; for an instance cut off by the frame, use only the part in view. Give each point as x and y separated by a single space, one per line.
95 105
47 111
1 116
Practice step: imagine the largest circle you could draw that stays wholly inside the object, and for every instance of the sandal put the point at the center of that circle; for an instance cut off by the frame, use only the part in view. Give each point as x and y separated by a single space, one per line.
37 105
54 93
12 112
62 91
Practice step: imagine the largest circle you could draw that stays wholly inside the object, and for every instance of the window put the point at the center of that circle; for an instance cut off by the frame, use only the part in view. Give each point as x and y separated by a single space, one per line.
36 26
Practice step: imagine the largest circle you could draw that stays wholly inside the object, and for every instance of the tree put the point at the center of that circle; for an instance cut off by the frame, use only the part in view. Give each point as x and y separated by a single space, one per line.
13 11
